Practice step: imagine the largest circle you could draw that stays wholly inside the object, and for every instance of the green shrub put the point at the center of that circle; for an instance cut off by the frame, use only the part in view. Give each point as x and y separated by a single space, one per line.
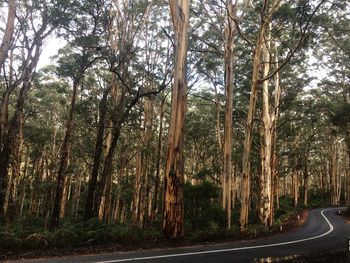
202 210
66 237
8 240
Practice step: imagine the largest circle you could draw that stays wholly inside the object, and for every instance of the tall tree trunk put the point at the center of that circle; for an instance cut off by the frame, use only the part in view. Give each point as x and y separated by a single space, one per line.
11 202
158 162
136 202
174 173
306 179
267 10
245 192
275 114
230 31
333 174
265 211
295 185
89 207
103 204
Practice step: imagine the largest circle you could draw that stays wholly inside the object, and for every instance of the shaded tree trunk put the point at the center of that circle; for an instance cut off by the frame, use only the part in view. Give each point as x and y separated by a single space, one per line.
89 207
65 154
158 162
230 31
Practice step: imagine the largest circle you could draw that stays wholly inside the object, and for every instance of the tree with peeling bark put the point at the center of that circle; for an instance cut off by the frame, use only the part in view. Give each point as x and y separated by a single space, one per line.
267 11
174 172
229 35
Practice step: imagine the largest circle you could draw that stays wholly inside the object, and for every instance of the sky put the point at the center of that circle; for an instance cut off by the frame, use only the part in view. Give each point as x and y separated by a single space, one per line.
50 49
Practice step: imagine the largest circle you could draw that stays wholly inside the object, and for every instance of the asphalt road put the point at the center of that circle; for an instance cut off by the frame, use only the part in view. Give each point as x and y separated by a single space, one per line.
323 231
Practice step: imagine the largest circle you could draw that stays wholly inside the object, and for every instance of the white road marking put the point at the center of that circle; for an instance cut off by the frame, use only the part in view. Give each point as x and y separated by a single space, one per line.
330 230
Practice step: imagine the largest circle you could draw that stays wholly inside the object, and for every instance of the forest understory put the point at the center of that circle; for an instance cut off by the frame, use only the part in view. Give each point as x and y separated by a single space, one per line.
28 237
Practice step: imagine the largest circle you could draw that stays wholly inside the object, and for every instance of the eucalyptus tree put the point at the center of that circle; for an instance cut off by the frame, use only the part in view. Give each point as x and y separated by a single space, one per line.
174 173
267 13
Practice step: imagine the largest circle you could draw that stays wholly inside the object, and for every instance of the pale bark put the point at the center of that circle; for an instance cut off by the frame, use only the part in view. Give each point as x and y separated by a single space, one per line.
245 194
266 12
104 199
155 207
229 34
265 211
8 34
174 173
295 186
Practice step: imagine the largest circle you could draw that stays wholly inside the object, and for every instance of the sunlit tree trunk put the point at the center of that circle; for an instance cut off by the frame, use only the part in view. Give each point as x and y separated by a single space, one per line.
333 174
295 186
174 173
265 211
275 114
245 188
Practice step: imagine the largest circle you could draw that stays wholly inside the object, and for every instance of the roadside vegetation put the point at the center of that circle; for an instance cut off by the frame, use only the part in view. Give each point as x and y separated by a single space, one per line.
204 222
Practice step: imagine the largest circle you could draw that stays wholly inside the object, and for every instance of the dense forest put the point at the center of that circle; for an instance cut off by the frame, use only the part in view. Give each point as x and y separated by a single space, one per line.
172 115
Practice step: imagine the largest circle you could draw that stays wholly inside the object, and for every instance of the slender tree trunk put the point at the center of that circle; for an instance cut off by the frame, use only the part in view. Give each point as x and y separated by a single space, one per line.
65 194
89 207
11 199
295 185
306 179
333 175
76 196
158 162
174 173
106 185
248 134
135 209
230 31
8 34
266 12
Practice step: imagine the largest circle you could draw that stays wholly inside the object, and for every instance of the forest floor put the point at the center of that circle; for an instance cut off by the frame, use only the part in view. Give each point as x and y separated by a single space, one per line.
294 222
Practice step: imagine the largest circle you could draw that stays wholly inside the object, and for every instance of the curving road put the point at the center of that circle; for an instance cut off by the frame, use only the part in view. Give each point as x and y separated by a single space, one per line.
323 231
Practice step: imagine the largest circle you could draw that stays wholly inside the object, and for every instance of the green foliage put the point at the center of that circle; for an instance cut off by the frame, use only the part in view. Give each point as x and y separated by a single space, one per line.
202 210
9 240
30 233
